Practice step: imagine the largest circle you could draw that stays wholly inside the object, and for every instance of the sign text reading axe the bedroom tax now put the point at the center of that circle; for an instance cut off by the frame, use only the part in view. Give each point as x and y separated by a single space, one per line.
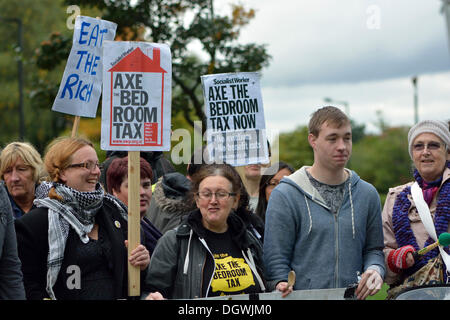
235 118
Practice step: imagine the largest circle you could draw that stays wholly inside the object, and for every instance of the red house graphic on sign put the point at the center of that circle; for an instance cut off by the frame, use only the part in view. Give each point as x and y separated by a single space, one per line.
137 61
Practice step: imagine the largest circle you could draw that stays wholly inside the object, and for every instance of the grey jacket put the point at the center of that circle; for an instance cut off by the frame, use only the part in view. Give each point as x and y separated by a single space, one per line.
324 249
167 212
11 279
177 265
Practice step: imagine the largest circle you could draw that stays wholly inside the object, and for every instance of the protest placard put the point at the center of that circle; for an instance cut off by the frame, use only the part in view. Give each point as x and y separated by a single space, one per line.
235 118
80 88
136 103
136 116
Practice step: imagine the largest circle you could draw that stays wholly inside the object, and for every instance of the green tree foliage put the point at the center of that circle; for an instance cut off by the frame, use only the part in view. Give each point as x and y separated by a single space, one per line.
41 75
38 18
294 148
383 160
358 131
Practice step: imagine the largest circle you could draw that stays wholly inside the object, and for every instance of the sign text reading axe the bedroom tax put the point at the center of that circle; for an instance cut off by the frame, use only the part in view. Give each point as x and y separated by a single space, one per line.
136 110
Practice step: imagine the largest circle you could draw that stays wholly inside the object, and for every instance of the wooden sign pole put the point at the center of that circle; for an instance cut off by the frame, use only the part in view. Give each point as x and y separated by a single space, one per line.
76 124
76 121
134 219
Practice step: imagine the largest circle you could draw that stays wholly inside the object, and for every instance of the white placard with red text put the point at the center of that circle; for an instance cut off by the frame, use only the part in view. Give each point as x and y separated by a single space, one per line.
137 89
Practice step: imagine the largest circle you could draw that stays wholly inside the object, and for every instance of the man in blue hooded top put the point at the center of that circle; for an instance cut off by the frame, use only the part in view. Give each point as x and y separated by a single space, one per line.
324 221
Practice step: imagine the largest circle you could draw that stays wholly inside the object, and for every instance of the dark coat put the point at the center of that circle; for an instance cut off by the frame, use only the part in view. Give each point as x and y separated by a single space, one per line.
170 202
166 274
11 282
32 239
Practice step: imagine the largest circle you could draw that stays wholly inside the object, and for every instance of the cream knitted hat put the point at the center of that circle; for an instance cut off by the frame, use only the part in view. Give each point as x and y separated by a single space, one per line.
437 127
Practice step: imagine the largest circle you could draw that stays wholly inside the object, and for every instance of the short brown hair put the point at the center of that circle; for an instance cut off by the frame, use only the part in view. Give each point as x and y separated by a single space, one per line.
118 170
330 114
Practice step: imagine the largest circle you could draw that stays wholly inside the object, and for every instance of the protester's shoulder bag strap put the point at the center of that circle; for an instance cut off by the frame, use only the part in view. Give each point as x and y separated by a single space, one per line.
425 216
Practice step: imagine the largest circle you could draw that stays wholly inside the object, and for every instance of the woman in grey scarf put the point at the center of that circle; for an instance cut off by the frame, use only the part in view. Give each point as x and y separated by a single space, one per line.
72 246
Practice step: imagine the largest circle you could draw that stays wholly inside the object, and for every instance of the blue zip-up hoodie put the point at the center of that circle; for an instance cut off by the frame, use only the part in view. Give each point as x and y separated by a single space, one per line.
325 250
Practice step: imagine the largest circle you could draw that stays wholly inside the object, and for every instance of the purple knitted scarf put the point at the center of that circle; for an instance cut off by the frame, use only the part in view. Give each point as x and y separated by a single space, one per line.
402 226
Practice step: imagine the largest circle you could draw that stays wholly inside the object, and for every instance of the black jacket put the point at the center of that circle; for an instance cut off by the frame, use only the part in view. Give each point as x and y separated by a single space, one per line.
177 265
32 240
11 282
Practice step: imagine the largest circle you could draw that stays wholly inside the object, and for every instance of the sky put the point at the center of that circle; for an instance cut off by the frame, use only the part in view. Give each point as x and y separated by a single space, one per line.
360 52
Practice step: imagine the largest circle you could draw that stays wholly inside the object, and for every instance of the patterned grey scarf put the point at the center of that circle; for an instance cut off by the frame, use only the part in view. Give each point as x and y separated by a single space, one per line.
77 210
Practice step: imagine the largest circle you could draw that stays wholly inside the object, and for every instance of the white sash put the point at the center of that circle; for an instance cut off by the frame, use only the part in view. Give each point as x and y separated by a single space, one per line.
427 221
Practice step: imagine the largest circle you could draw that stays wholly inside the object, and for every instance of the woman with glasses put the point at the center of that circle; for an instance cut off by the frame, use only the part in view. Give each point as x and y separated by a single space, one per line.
270 179
72 246
211 253
416 213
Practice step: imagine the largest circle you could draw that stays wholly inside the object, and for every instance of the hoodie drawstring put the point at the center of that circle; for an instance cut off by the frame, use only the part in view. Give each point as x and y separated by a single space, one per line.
351 207
186 259
309 214
251 263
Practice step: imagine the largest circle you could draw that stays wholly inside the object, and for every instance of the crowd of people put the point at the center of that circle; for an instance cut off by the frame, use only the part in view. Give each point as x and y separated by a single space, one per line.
221 230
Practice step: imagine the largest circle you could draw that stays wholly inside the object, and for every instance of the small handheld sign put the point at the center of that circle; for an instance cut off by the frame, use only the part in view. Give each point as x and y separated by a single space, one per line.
80 87
235 118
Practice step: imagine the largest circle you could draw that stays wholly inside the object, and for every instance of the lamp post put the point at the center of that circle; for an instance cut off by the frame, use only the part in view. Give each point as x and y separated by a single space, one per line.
446 11
416 111
344 103
20 73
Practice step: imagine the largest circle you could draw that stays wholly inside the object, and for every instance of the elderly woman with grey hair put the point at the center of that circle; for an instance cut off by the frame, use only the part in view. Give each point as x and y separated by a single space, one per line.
21 168
416 213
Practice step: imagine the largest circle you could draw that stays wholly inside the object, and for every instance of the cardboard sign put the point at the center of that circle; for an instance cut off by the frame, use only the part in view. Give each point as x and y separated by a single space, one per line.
136 103
80 88
235 118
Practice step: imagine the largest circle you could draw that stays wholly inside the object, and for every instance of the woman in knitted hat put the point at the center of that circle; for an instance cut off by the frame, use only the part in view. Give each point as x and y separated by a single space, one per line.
409 207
